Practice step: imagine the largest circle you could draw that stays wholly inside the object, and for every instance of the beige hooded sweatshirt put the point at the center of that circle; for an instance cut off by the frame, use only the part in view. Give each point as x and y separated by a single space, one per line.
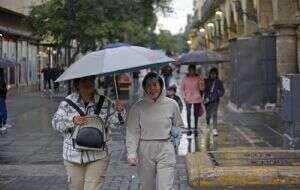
149 120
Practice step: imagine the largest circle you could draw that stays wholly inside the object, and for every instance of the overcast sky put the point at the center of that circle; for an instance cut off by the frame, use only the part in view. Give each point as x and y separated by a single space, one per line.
176 20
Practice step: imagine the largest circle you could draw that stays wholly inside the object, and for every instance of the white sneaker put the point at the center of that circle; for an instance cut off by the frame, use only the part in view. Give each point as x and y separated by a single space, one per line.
7 126
3 130
215 132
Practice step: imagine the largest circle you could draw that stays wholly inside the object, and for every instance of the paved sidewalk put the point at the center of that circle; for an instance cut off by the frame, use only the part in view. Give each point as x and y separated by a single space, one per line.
30 154
122 177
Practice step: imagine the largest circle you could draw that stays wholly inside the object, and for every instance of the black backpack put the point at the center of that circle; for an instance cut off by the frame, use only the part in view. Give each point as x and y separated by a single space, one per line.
92 136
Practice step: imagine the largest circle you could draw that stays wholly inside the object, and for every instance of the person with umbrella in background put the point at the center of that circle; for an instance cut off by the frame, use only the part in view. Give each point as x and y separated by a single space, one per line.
167 71
214 90
192 87
150 125
86 167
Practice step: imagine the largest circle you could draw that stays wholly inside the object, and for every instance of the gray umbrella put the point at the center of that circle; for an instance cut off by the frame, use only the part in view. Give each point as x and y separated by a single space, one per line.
120 59
5 63
202 57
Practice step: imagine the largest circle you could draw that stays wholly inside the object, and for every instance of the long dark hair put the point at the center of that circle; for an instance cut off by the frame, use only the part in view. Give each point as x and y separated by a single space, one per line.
191 67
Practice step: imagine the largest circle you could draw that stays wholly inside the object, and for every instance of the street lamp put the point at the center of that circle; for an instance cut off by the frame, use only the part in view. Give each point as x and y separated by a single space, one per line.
189 42
71 15
202 30
210 25
219 13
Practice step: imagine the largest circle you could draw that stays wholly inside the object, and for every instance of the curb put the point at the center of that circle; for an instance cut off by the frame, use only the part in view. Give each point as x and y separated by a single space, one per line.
203 171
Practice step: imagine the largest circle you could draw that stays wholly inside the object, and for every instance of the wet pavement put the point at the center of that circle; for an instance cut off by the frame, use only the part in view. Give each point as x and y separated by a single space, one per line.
31 151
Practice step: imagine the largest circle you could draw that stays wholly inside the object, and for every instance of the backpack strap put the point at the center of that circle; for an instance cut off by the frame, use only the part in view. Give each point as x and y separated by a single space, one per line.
72 104
107 116
99 105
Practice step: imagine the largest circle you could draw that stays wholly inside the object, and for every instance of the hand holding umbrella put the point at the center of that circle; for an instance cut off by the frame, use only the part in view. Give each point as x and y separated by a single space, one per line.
119 106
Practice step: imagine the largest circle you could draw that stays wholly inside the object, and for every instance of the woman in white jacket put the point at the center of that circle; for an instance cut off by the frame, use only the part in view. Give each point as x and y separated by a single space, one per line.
149 125
85 168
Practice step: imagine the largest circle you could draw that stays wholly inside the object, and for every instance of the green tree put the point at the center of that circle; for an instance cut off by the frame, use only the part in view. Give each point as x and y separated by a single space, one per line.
183 46
165 40
89 23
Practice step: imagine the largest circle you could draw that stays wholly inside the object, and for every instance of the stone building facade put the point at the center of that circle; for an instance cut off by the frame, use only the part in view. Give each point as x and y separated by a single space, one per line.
216 22
17 43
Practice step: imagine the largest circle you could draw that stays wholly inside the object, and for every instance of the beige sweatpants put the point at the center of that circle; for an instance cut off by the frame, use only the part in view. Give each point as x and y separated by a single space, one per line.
156 165
86 177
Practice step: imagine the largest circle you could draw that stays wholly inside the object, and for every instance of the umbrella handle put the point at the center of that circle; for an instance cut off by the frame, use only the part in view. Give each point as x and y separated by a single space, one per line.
157 68
116 89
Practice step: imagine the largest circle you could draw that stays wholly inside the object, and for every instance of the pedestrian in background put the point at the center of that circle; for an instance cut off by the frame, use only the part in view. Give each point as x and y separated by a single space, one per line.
167 71
192 86
172 94
3 109
55 73
148 137
136 82
214 90
85 168
47 77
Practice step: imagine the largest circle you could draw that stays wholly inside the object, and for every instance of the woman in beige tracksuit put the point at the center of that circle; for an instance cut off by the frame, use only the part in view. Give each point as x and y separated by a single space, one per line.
149 125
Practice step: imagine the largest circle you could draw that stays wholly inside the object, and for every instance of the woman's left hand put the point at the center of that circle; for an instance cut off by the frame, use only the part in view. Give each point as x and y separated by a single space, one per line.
119 106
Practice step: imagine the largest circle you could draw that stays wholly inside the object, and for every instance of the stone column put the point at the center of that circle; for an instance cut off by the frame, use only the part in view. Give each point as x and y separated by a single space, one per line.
238 17
286 52
286 48
249 17
285 24
264 14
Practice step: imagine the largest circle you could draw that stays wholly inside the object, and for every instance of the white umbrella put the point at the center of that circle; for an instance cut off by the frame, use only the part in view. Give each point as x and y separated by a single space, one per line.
114 60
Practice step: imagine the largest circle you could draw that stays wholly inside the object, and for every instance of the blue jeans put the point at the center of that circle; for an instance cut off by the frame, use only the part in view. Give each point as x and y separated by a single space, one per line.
196 113
3 112
212 113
